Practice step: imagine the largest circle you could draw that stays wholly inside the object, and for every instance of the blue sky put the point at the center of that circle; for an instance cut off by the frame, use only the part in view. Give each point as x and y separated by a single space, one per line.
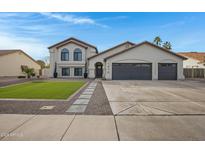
34 32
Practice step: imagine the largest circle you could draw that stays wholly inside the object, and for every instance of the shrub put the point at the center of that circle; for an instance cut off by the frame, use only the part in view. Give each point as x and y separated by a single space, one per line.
28 71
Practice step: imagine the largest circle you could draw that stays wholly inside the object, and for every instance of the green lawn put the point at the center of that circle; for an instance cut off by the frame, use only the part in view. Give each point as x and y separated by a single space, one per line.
41 90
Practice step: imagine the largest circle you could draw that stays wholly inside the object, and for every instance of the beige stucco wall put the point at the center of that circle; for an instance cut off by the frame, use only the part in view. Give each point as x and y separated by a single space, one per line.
45 72
145 54
100 58
55 56
10 65
192 63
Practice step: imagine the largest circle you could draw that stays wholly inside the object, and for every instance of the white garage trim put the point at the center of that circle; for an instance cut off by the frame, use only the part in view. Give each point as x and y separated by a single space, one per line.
145 53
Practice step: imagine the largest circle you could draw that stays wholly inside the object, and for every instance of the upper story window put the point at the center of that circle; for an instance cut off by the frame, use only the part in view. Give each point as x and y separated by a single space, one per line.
77 55
64 54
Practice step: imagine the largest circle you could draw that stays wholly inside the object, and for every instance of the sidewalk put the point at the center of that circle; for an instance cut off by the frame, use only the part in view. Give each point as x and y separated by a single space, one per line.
57 127
103 128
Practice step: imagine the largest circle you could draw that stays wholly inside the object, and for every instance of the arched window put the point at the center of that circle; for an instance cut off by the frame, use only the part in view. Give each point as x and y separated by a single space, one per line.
77 55
64 54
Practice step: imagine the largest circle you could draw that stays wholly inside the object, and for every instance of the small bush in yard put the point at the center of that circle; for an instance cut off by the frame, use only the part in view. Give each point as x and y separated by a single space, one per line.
28 71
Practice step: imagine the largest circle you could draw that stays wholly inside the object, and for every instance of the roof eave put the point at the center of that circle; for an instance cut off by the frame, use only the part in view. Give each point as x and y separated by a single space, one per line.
111 49
71 38
146 42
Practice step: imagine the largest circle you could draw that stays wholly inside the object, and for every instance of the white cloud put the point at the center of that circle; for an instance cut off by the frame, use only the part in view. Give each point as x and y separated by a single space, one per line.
70 18
23 35
73 19
31 34
31 46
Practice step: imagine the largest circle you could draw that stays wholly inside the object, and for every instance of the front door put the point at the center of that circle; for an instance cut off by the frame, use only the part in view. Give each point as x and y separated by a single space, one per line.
98 71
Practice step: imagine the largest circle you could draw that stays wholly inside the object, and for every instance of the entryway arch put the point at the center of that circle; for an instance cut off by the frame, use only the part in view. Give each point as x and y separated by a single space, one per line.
98 70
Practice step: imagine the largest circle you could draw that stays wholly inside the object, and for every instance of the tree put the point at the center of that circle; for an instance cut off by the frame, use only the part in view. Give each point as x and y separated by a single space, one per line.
41 63
167 45
28 71
157 41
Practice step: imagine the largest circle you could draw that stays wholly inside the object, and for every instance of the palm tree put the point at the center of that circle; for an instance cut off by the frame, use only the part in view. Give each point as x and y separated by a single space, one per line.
157 41
167 45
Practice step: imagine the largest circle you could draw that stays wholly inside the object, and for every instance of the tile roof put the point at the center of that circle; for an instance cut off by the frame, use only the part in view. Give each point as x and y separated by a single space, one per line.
195 55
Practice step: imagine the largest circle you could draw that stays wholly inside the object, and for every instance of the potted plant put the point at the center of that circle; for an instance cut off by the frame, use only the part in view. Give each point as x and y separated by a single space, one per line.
85 75
55 74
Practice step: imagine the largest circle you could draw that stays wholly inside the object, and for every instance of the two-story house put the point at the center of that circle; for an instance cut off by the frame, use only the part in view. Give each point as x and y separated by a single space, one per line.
69 57
126 61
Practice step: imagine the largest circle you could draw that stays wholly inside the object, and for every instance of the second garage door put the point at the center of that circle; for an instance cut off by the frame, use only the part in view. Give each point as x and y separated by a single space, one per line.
167 71
132 71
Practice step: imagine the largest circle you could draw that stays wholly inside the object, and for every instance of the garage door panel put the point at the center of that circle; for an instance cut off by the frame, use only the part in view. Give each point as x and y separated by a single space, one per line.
131 71
167 71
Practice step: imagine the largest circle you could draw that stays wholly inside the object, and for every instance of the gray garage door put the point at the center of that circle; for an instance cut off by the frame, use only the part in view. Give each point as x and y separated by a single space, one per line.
131 71
167 71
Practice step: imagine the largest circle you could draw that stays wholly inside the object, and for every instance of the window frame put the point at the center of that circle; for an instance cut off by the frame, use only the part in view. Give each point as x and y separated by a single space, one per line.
77 51
81 74
64 51
63 71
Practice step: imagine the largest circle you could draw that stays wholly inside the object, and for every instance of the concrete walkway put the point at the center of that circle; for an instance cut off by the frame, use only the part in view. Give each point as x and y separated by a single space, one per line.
82 101
90 127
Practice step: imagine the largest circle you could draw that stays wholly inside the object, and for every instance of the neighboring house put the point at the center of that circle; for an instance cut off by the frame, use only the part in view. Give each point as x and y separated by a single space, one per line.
194 59
12 60
126 61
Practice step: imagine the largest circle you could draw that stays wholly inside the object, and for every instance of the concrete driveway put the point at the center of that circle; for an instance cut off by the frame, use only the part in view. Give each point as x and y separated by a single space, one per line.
158 110
156 97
